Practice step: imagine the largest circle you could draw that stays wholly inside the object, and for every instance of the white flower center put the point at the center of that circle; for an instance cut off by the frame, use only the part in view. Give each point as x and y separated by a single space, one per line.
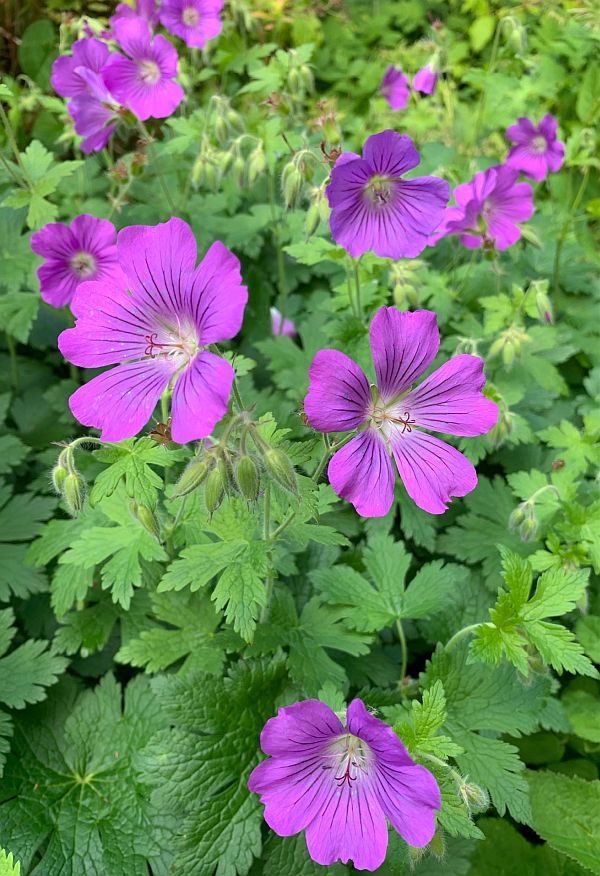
149 72
349 758
539 144
190 16
379 190
179 343
392 415
83 264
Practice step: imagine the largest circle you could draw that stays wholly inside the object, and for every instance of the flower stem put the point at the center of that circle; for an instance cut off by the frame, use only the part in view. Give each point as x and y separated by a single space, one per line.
13 145
237 396
359 310
565 229
402 638
464 632
156 166
268 538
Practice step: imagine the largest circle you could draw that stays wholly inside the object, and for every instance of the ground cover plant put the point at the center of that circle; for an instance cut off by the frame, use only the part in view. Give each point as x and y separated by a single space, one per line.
300 444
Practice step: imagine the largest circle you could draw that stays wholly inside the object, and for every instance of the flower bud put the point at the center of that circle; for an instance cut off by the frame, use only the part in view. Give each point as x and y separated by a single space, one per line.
211 175
311 220
473 796
195 474
291 184
234 120
215 491
543 305
147 518
307 78
281 469
256 164
74 492
517 517
528 529
294 81
239 170
247 478
220 129
59 475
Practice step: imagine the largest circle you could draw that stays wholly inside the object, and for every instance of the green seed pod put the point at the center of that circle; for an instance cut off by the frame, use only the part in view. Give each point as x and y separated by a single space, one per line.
74 492
281 469
147 518
195 474
248 478
59 475
214 492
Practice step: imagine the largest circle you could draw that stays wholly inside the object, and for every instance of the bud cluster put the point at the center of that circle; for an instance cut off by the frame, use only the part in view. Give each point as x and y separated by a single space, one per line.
68 482
509 344
403 279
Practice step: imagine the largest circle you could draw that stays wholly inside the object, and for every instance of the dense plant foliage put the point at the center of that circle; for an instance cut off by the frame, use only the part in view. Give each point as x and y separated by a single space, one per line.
172 577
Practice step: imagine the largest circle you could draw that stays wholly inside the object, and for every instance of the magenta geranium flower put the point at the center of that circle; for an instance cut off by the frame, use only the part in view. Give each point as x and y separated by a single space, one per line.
373 208
95 114
145 9
194 21
537 149
340 783
84 250
68 72
281 325
390 418
425 80
145 81
488 209
158 322
394 88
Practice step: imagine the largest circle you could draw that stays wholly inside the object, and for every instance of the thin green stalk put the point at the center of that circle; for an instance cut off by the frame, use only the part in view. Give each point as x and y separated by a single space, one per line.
14 364
267 536
565 229
281 275
490 69
402 638
156 167
351 293
359 310
13 145
237 396
464 632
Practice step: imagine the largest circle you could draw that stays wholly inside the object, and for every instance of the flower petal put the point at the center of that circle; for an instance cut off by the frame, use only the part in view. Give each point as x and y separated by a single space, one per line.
409 796
54 241
216 298
450 400
415 212
404 345
200 397
57 282
338 395
362 473
390 153
301 727
431 470
121 401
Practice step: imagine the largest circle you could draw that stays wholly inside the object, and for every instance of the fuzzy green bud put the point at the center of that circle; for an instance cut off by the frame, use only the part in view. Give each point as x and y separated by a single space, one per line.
256 164
294 81
74 492
234 120
311 220
474 796
220 129
291 184
307 78
239 170
215 491
247 478
281 469
147 518
59 475
194 475
517 517
528 530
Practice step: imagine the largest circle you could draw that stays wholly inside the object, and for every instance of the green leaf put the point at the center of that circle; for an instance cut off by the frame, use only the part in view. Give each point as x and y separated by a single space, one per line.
130 461
200 766
37 51
200 563
583 712
432 589
587 104
8 865
496 766
557 592
588 633
566 814
240 591
17 313
558 648
289 855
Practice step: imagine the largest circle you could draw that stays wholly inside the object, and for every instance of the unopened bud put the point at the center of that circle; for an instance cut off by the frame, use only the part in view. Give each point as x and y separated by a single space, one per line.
473 796
291 184
306 75
517 517
74 492
543 305
195 474
211 175
294 81
311 220
147 518
256 164
214 492
528 529
247 478
281 469
220 129
234 119
239 170
59 475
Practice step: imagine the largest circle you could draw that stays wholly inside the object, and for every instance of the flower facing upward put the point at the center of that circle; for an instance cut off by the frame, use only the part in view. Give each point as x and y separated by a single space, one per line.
158 323
373 208
194 21
393 415
488 209
536 150
84 250
145 81
341 783
425 80
394 88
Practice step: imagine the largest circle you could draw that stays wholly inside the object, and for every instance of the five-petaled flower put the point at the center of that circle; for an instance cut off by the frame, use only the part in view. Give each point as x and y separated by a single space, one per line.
373 208
340 783
84 250
488 209
536 150
158 323
145 81
194 21
392 415
394 88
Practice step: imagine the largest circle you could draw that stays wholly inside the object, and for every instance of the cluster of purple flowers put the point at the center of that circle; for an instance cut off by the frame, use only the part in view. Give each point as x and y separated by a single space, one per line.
396 89
140 76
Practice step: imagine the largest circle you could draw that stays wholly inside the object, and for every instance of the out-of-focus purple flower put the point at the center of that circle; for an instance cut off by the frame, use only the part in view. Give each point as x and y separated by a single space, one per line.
158 322
194 21
68 72
84 250
95 114
278 328
373 208
394 88
145 9
390 418
340 784
145 81
488 209
425 80
536 150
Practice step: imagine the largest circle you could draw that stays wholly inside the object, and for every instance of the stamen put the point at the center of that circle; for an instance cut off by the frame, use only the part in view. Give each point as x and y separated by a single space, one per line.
152 343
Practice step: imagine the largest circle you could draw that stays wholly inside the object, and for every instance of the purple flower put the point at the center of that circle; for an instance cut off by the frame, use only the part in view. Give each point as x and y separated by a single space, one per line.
194 21
158 322
537 150
425 80
68 72
84 250
391 416
488 209
288 328
373 208
95 113
144 9
144 82
340 783
394 88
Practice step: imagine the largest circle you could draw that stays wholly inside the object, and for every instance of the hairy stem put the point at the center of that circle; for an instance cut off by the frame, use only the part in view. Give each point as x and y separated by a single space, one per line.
464 632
